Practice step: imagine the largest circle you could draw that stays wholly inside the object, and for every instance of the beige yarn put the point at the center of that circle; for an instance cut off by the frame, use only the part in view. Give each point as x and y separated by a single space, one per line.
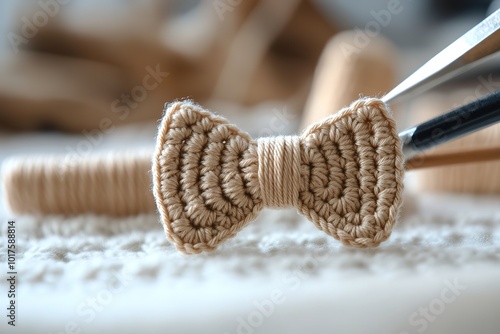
117 184
344 173
279 170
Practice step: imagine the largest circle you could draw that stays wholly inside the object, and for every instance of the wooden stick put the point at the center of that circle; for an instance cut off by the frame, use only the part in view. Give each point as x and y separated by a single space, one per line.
453 158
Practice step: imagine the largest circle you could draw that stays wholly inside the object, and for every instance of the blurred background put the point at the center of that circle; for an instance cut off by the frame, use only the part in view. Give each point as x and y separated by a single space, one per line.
83 77
66 65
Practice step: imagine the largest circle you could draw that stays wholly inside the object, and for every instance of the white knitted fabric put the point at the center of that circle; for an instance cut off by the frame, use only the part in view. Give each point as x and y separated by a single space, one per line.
279 275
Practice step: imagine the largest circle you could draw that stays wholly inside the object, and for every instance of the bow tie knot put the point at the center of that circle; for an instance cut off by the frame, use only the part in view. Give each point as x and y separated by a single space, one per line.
344 173
279 170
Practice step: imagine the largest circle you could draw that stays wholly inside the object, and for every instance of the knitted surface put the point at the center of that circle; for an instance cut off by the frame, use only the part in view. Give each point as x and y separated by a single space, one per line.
344 173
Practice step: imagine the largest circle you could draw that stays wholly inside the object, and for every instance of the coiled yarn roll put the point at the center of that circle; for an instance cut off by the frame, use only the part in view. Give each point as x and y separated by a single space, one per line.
113 184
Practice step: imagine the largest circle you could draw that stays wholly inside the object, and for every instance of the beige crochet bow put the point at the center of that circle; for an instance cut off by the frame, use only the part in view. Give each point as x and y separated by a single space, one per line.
345 174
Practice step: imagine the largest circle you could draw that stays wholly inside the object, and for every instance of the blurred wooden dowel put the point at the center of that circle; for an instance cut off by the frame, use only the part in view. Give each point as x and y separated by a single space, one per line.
481 177
132 39
347 70
454 158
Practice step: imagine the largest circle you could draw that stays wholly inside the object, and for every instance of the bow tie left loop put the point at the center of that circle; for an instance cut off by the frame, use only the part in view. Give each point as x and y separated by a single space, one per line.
344 174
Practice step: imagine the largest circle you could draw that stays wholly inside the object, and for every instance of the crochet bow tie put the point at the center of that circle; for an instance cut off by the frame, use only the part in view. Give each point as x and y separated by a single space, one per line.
345 174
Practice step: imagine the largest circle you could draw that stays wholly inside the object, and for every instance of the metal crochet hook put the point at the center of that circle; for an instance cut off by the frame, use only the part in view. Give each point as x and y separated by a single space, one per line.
470 50
474 47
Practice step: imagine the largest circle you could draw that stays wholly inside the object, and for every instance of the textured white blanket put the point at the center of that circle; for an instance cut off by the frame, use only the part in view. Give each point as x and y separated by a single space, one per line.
438 273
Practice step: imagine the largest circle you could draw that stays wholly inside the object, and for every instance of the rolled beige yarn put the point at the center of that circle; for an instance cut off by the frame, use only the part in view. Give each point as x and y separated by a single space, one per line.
476 178
350 68
113 184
